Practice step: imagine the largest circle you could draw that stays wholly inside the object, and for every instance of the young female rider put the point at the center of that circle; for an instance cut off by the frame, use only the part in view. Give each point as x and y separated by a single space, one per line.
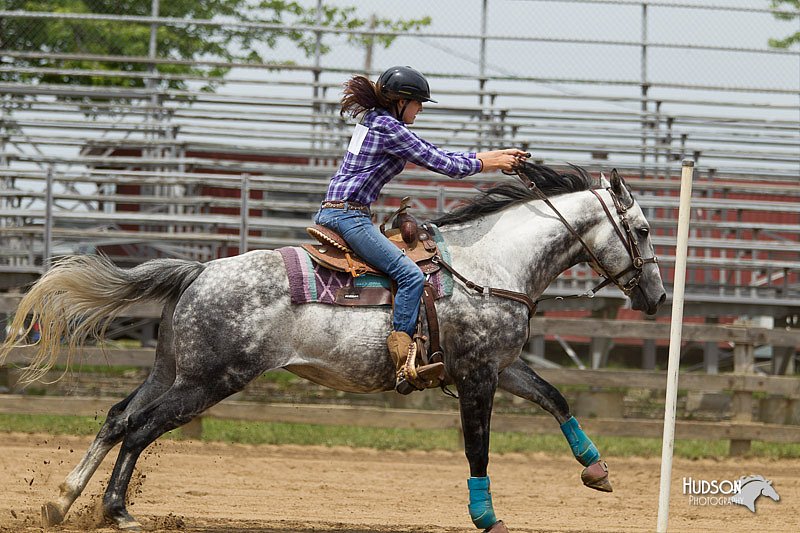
380 147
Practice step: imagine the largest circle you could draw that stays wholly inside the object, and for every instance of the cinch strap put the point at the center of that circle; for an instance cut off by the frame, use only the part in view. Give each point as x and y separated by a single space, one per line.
582 446
480 502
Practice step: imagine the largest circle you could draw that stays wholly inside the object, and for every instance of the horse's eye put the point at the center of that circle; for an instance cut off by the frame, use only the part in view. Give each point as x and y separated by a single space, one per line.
643 232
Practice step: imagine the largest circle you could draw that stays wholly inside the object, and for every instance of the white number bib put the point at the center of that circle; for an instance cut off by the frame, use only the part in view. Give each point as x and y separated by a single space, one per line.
359 134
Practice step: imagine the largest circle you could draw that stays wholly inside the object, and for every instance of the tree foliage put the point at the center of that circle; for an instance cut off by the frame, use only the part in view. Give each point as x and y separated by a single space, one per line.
177 41
782 13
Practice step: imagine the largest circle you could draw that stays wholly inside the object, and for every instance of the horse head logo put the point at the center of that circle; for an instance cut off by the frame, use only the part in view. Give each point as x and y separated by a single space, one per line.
752 488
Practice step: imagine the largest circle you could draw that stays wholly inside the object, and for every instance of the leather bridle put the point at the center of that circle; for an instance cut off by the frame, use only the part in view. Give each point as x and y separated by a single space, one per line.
628 240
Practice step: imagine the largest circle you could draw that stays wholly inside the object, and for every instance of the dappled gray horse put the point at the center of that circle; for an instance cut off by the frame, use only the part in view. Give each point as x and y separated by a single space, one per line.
228 321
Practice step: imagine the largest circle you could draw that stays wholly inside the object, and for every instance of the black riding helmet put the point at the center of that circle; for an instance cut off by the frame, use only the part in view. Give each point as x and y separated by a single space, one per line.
406 83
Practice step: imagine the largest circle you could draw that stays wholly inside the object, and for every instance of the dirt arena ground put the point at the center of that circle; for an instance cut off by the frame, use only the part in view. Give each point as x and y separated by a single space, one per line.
213 488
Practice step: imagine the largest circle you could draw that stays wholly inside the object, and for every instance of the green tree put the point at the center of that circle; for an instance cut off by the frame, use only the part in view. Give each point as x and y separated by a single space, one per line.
182 41
784 14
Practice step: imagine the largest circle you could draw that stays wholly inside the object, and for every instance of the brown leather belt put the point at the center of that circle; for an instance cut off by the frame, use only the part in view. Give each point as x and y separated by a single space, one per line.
350 206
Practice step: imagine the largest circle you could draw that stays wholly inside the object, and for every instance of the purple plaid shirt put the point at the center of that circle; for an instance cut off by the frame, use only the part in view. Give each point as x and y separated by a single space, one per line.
387 147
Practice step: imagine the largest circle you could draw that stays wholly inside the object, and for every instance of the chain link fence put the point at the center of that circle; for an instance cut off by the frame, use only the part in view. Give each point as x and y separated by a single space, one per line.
694 59
651 63
630 41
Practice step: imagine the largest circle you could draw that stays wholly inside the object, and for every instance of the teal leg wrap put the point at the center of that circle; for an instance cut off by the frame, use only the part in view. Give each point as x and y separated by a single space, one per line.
480 502
582 446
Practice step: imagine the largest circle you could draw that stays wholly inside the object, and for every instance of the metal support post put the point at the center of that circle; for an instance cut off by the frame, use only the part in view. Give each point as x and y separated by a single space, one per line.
153 115
482 68
244 229
48 221
373 21
317 126
152 52
644 90
317 48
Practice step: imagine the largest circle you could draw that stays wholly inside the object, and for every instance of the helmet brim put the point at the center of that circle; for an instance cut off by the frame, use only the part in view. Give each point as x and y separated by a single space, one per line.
417 97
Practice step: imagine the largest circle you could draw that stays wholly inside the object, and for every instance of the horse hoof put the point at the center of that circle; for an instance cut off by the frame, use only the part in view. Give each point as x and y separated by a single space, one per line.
498 527
51 515
123 520
596 477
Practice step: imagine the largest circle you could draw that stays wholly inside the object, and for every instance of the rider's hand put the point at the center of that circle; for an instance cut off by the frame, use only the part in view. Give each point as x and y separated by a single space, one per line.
507 159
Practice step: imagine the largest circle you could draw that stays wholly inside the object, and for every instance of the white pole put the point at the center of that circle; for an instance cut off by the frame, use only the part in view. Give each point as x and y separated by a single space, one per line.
684 212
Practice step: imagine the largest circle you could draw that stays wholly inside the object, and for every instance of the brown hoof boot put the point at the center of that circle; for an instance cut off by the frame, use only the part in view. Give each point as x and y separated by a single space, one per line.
596 477
498 527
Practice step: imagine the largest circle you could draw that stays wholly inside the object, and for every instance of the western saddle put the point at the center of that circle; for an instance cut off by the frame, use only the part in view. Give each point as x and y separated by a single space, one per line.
416 242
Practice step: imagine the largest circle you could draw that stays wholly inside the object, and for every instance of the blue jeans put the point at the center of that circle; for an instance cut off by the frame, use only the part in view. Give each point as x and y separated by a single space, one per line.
370 244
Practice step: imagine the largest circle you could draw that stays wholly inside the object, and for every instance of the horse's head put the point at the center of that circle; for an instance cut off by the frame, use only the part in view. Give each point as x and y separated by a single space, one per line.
624 249
754 486
614 238
769 491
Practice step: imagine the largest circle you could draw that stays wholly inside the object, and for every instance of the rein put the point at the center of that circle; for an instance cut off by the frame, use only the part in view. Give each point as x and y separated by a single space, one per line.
515 296
637 262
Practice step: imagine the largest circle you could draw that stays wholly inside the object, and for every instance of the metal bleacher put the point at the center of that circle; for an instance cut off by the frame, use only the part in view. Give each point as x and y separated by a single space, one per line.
144 172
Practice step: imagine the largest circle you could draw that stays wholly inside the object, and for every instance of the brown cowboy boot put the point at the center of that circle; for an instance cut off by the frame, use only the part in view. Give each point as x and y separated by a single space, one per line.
404 354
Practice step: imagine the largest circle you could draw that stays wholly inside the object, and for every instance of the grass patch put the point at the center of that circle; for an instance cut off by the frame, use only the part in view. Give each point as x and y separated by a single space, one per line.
308 434
54 424
233 431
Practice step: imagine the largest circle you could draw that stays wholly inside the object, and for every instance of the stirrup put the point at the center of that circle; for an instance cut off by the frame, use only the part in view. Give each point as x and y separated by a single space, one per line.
411 378
426 377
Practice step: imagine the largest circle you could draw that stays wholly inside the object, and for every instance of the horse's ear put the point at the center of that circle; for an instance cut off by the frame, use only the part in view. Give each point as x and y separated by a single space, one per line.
619 188
616 181
604 183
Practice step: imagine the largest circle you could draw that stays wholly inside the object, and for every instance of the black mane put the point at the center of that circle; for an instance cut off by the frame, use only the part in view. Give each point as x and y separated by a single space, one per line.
548 180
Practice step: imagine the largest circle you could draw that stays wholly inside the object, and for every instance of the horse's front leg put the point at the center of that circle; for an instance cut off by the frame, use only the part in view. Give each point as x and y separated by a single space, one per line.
476 388
520 380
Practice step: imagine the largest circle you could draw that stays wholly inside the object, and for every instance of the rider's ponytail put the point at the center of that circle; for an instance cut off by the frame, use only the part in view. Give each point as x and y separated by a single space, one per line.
360 94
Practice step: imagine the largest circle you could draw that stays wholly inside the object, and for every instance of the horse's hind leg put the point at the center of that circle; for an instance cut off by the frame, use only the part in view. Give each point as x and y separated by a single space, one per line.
520 380
113 429
186 399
